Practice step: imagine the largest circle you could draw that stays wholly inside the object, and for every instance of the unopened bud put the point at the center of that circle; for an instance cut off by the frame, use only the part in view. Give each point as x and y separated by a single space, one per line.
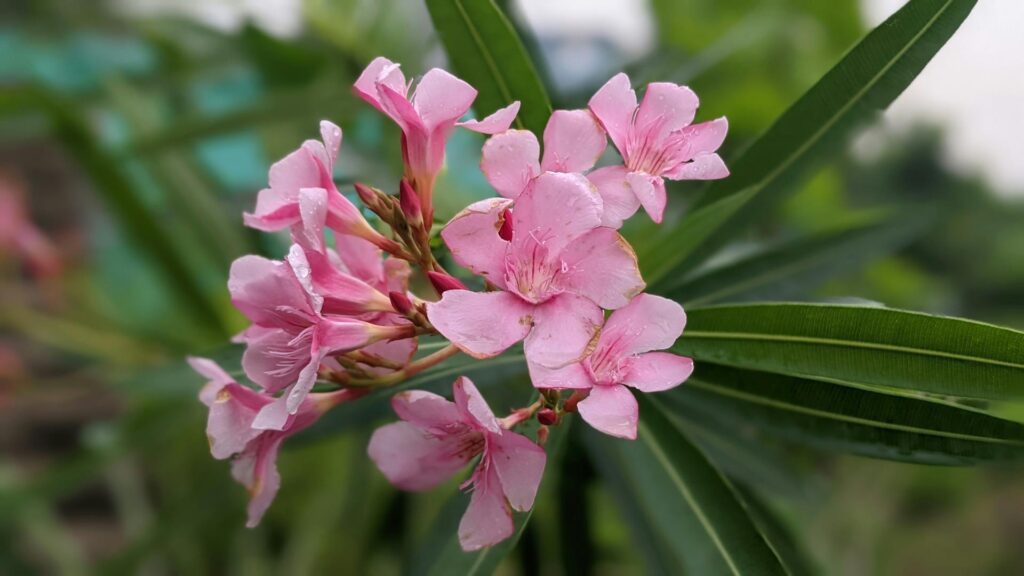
443 282
547 416
542 435
505 231
410 203
367 195
577 397
401 303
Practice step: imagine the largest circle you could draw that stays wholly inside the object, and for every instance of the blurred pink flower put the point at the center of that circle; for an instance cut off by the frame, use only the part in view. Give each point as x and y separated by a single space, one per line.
229 428
557 271
623 357
20 237
436 438
656 139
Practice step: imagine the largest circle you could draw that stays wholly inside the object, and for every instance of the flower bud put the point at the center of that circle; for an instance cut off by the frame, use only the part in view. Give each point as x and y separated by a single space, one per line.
401 303
577 397
410 203
443 282
367 195
547 416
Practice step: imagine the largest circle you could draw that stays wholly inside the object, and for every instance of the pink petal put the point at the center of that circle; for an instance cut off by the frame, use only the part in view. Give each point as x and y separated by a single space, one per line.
612 410
266 291
426 410
216 376
257 470
519 463
509 160
573 141
361 259
703 167
273 416
706 137
441 99
601 266
473 406
497 122
656 371
331 134
397 351
229 426
396 274
613 106
271 360
487 520
397 106
571 376
616 195
554 210
647 323
481 324
303 274
313 215
274 211
472 236
650 190
414 460
666 107
562 328
379 70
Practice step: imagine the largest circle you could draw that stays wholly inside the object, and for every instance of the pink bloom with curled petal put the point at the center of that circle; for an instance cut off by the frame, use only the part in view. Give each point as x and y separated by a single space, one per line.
573 142
623 358
556 271
436 438
427 117
310 167
291 334
657 140
233 408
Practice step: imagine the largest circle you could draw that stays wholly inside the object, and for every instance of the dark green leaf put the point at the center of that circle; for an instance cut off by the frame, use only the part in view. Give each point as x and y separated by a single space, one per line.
786 545
846 419
486 52
689 507
794 268
440 553
865 81
861 345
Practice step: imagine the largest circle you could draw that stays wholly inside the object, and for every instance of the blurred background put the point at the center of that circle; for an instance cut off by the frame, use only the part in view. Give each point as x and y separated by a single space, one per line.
133 133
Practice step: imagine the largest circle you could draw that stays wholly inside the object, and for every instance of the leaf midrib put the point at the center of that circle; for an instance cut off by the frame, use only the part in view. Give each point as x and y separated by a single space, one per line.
755 399
763 337
487 57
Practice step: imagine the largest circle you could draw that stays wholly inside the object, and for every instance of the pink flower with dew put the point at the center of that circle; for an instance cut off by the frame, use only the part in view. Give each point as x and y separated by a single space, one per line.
657 140
436 438
354 280
623 358
233 408
573 142
557 268
291 335
426 118
311 168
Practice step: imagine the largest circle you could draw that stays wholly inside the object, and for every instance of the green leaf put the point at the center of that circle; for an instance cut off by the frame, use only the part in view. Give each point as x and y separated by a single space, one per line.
861 345
839 418
865 81
786 545
440 553
690 507
794 268
486 52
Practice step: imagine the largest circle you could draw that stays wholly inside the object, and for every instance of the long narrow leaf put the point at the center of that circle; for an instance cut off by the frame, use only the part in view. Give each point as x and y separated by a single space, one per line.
865 81
841 418
686 500
861 345
485 51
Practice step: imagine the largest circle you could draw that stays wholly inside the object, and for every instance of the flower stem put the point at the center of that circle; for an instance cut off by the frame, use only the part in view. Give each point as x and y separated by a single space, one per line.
410 370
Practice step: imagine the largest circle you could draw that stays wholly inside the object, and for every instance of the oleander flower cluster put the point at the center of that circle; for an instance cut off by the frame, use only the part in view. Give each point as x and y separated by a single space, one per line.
336 317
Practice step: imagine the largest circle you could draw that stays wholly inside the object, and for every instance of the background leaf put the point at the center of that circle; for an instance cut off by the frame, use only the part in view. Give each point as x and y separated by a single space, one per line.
861 345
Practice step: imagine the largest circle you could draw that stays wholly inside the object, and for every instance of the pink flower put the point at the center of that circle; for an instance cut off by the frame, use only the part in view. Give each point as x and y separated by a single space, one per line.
556 271
426 118
19 236
437 438
573 142
233 408
310 167
291 335
656 138
621 358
